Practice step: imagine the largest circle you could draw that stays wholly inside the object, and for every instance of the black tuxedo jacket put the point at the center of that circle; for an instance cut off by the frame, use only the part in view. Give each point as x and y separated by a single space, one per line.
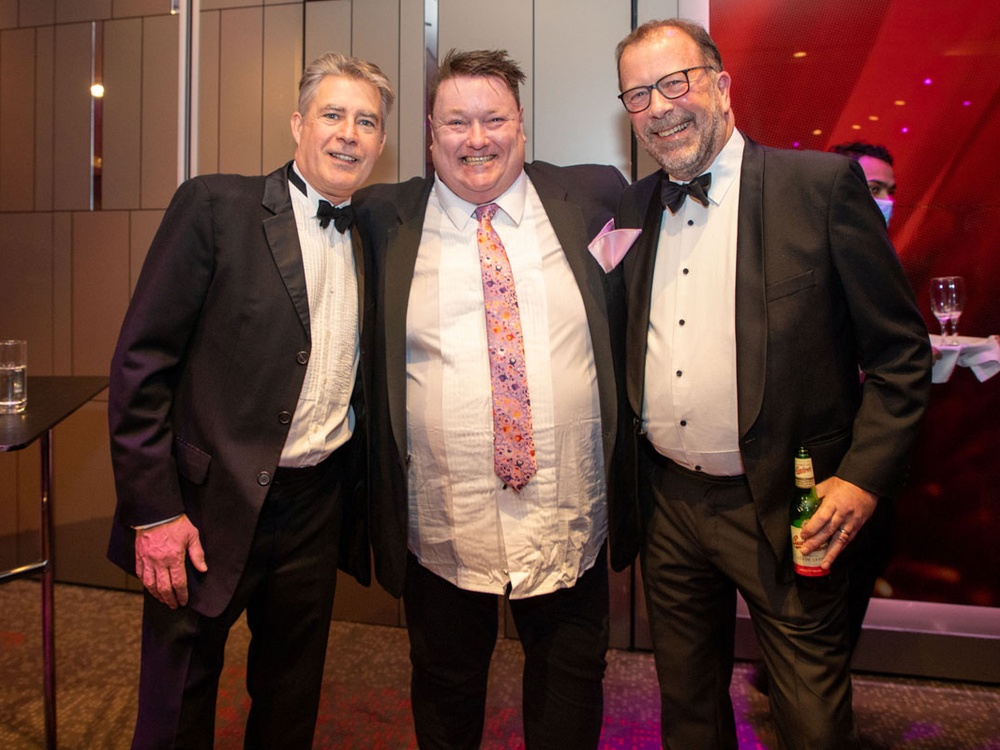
819 294
207 372
578 202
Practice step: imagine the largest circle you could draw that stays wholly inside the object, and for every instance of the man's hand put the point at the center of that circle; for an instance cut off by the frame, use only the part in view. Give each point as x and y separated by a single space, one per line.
159 559
844 509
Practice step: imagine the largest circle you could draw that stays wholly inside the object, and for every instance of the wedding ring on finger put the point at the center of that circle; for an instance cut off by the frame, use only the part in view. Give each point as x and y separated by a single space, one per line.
845 535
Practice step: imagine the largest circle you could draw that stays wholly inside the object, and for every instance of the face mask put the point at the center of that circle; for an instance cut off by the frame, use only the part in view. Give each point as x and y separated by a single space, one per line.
885 206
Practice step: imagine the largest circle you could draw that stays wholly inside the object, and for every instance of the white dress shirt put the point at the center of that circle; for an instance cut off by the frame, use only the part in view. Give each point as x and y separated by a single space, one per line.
323 419
464 525
689 408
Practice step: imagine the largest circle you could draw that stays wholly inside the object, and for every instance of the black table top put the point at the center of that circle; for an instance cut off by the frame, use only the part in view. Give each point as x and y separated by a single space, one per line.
51 398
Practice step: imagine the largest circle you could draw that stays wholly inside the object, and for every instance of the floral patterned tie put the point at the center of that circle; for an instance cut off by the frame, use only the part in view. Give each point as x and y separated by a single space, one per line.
513 443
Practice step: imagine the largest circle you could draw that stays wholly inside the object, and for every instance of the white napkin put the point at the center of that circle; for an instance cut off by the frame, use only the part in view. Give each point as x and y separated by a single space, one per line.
610 245
981 355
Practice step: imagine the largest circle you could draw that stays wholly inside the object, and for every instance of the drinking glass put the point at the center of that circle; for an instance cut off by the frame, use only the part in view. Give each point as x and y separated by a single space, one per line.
13 383
947 303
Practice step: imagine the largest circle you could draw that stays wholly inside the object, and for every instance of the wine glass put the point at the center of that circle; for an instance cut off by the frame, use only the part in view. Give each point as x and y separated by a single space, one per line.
947 303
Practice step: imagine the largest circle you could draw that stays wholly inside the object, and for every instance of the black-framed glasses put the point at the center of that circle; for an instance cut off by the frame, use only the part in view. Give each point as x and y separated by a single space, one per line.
671 86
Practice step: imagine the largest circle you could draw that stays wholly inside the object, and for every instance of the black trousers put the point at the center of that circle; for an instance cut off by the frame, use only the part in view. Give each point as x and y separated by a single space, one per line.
704 543
287 591
453 632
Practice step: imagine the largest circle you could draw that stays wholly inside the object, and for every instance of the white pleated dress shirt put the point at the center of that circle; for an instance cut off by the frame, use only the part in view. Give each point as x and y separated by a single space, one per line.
464 525
689 408
323 419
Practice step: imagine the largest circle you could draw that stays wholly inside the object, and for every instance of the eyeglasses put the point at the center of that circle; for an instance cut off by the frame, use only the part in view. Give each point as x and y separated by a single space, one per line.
671 86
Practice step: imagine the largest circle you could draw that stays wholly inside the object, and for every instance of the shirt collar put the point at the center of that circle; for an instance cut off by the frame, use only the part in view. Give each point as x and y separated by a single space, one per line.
460 211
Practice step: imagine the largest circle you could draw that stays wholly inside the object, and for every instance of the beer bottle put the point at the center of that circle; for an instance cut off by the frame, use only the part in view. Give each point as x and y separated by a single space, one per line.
804 505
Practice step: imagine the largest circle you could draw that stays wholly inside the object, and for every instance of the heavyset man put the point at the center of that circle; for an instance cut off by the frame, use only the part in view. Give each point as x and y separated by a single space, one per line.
496 413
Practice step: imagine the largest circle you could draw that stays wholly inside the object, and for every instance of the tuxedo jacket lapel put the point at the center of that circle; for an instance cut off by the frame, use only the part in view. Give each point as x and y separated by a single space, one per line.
283 239
639 263
751 301
403 243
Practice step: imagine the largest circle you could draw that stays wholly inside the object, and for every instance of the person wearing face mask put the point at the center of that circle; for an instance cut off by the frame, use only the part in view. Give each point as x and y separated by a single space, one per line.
876 163
762 282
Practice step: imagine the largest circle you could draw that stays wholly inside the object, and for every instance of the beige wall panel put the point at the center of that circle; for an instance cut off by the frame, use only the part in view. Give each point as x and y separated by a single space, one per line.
461 25
135 8
577 117
72 125
84 486
649 10
100 287
8 511
62 293
241 58
159 110
283 46
207 161
376 38
368 604
695 10
410 97
29 488
26 307
328 27
44 117
84 498
8 14
223 4
17 120
72 11
122 149
38 12
143 228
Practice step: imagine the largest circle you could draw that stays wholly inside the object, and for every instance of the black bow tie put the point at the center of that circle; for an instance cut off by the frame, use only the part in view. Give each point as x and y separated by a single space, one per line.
343 218
673 193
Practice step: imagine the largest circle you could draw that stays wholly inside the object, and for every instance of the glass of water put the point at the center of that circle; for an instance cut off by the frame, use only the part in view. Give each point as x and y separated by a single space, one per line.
13 376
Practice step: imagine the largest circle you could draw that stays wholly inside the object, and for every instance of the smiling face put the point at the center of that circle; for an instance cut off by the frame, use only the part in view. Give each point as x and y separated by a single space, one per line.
477 137
339 137
684 135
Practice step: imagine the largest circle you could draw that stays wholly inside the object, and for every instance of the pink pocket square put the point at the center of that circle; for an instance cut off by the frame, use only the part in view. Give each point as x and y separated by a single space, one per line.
610 245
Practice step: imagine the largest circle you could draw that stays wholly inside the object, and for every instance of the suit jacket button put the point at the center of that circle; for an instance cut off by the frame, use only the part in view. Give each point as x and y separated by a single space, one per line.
284 417
264 478
302 357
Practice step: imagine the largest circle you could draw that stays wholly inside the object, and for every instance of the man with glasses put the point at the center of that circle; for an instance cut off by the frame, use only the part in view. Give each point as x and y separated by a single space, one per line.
762 281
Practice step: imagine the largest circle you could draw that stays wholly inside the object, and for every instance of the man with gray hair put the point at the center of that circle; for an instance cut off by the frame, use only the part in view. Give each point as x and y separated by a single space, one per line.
763 280
237 420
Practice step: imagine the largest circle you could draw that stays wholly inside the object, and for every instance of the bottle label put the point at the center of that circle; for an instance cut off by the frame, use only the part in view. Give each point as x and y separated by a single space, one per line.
806 565
804 478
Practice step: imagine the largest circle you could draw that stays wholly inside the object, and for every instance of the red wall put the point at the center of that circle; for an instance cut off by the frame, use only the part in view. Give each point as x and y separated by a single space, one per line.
942 61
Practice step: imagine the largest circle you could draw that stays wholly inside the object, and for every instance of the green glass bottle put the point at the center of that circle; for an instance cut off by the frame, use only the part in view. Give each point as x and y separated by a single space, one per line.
804 505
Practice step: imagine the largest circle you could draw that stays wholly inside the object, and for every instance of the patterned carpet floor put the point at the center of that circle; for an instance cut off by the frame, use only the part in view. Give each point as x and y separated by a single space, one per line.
365 700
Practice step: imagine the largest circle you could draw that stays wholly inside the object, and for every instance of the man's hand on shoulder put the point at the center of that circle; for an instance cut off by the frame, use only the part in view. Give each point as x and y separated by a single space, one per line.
160 552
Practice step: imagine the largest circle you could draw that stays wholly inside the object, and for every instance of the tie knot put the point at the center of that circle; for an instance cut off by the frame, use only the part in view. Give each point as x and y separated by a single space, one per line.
487 212
342 218
673 193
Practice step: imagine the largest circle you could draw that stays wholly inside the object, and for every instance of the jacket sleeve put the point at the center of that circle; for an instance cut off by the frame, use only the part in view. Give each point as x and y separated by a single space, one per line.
894 352
161 318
